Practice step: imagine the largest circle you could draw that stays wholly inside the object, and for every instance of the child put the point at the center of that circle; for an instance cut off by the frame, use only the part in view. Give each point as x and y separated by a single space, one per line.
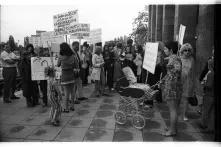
55 100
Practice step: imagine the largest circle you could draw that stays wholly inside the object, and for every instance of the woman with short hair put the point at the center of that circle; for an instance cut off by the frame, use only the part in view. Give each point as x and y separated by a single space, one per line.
171 85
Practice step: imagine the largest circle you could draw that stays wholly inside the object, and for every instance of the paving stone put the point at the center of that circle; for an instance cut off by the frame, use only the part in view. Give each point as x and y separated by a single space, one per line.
11 140
103 123
155 136
79 122
14 119
63 121
107 107
45 133
100 135
207 137
89 106
187 136
130 134
19 131
183 126
34 120
105 114
42 111
84 113
72 134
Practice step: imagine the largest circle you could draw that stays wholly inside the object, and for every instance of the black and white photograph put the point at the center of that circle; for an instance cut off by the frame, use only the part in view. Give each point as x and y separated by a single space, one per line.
109 71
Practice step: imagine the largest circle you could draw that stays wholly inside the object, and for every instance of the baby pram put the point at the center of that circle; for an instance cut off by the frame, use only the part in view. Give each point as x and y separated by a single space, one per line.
132 97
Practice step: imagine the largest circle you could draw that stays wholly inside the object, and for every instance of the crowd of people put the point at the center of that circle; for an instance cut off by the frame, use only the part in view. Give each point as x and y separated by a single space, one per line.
174 71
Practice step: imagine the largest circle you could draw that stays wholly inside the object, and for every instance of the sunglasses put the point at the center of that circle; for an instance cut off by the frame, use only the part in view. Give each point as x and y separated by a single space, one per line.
186 50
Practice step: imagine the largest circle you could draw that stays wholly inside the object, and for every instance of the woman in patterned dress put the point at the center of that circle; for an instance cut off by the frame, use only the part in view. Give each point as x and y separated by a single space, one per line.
171 85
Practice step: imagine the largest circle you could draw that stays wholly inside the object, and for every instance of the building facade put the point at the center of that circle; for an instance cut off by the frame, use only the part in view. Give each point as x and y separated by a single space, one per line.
165 21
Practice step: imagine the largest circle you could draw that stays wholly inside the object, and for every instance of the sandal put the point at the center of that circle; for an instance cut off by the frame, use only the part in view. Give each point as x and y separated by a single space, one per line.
66 111
169 134
72 109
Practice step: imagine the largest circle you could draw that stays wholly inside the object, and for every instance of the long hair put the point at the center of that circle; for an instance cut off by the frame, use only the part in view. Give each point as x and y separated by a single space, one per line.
65 49
11 42
32 48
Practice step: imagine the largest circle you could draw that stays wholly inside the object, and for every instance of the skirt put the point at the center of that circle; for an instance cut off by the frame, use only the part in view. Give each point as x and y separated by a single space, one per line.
67 76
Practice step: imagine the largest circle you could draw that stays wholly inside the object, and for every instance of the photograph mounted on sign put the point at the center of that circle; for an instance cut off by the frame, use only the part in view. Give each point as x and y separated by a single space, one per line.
63 21
150 57
38 65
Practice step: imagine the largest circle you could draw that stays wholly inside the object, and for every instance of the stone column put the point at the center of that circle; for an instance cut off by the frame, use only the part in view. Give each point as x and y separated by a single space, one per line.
205 38
150 23
168 22
159 19
153 22
186 15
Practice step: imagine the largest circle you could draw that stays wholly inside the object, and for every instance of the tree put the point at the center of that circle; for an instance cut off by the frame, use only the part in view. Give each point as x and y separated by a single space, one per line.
140 28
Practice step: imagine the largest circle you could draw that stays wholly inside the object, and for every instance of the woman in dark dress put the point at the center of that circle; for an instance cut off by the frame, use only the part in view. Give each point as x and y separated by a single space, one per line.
30 88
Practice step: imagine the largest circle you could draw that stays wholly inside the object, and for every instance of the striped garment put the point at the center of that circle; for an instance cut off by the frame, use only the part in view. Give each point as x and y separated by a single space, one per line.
55 100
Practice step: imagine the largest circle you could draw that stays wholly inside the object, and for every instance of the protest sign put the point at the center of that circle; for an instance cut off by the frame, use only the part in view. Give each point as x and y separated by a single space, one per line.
181 34
35 41
47 38
150 57
38 65
63 21
79 31
95 36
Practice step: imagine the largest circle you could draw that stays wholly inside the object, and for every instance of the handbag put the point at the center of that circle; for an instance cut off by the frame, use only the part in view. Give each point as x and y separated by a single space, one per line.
193 101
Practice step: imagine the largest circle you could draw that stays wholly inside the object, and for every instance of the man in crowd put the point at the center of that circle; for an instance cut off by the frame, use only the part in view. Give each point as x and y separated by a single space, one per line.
9 63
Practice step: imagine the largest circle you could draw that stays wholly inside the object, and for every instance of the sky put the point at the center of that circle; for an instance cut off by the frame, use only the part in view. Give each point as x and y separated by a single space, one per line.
115 17
24 20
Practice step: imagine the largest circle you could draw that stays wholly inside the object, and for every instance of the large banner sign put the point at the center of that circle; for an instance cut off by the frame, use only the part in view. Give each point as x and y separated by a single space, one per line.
181 34
63 21
38 65
79 30
150 57
95 36
47 38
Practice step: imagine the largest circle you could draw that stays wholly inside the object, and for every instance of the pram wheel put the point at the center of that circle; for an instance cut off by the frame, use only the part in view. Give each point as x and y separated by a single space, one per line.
120 117
138 121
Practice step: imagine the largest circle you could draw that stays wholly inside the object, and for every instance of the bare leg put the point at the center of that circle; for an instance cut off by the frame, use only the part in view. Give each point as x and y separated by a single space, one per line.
185 108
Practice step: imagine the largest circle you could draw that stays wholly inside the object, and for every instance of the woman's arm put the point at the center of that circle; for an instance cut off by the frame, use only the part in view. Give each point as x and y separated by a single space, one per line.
59 62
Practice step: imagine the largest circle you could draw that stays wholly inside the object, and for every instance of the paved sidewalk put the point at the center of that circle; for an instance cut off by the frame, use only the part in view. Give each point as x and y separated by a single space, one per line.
93 120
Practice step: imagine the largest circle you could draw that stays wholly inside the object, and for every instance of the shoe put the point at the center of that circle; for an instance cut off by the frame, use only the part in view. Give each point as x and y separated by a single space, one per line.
66 111
82 98
169 134
56 123
72 109
7 101
15 97
76 102
185 118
